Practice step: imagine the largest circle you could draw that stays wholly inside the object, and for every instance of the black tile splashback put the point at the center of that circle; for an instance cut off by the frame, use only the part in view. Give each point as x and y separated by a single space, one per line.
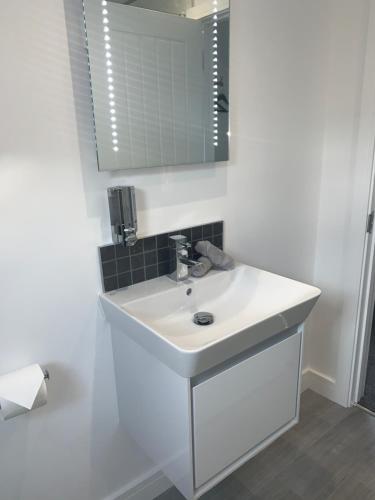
150 257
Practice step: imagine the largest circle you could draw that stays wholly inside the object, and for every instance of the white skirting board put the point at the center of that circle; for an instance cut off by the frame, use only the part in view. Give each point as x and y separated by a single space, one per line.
145 487
319 382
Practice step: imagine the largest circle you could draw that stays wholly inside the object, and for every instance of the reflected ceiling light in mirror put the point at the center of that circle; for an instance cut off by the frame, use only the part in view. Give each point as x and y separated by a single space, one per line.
215 125
111 88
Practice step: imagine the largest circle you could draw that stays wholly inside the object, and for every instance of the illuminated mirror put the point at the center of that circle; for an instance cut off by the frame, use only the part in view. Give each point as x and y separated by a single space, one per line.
160 81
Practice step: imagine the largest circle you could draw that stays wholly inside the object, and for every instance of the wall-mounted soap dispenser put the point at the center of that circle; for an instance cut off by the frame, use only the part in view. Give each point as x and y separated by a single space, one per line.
123 214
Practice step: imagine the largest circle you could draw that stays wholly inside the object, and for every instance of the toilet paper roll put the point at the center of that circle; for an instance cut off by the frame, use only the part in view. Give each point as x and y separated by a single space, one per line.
22 391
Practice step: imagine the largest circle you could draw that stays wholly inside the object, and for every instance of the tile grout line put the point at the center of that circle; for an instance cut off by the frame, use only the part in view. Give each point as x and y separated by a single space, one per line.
214 233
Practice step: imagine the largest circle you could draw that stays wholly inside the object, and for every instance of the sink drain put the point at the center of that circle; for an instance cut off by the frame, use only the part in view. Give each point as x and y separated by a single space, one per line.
203 318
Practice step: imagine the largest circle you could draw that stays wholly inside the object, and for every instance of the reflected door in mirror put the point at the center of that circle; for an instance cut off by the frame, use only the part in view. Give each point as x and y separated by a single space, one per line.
159 82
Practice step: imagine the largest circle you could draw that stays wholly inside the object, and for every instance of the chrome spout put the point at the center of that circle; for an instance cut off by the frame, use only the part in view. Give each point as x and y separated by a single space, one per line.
180 262
188 262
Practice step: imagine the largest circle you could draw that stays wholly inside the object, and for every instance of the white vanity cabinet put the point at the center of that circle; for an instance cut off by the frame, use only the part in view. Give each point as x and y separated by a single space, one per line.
200 430
236 410
202 400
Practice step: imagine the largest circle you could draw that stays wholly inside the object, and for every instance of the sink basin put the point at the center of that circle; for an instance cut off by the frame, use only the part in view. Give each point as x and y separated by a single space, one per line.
248 305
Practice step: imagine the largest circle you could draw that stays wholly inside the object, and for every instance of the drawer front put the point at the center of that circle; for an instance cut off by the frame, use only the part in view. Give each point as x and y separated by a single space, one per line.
237 409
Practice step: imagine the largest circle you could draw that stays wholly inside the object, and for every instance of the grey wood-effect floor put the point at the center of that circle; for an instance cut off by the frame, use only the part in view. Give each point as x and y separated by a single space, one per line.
329 455
368 400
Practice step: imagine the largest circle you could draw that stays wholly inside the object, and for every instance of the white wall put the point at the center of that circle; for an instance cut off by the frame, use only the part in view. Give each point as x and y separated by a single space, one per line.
342 213
276 125
53 214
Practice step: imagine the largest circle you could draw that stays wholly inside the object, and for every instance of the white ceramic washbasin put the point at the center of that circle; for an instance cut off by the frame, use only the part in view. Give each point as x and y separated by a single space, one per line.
249 306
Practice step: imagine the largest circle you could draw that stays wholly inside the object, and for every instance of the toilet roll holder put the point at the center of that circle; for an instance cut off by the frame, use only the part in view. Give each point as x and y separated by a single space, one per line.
46 377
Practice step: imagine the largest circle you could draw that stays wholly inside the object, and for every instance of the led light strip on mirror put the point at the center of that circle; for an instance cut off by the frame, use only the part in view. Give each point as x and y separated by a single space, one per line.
110 80
215 74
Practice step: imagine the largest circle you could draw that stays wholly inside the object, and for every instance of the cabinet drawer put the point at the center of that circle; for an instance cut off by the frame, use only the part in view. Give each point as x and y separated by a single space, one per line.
237 409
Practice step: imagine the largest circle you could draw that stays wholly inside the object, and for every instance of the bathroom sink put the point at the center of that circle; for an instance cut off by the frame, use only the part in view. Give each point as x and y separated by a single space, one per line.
248 306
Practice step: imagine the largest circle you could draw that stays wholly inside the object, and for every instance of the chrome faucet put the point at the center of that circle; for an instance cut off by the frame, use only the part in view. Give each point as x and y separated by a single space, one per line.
180 262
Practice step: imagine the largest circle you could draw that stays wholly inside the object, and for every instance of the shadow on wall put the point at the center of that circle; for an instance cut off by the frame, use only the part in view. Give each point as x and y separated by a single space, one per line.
162 186
17 435
110 444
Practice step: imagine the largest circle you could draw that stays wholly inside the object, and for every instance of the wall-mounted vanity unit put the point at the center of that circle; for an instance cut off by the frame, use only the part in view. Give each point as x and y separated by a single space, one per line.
202 400
160 81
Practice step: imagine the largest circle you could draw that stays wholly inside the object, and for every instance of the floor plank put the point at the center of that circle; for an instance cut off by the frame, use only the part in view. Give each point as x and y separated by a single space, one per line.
368 399
329 455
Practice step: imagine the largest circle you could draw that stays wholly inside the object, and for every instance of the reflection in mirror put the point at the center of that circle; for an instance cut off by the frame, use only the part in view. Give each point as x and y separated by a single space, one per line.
160 81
